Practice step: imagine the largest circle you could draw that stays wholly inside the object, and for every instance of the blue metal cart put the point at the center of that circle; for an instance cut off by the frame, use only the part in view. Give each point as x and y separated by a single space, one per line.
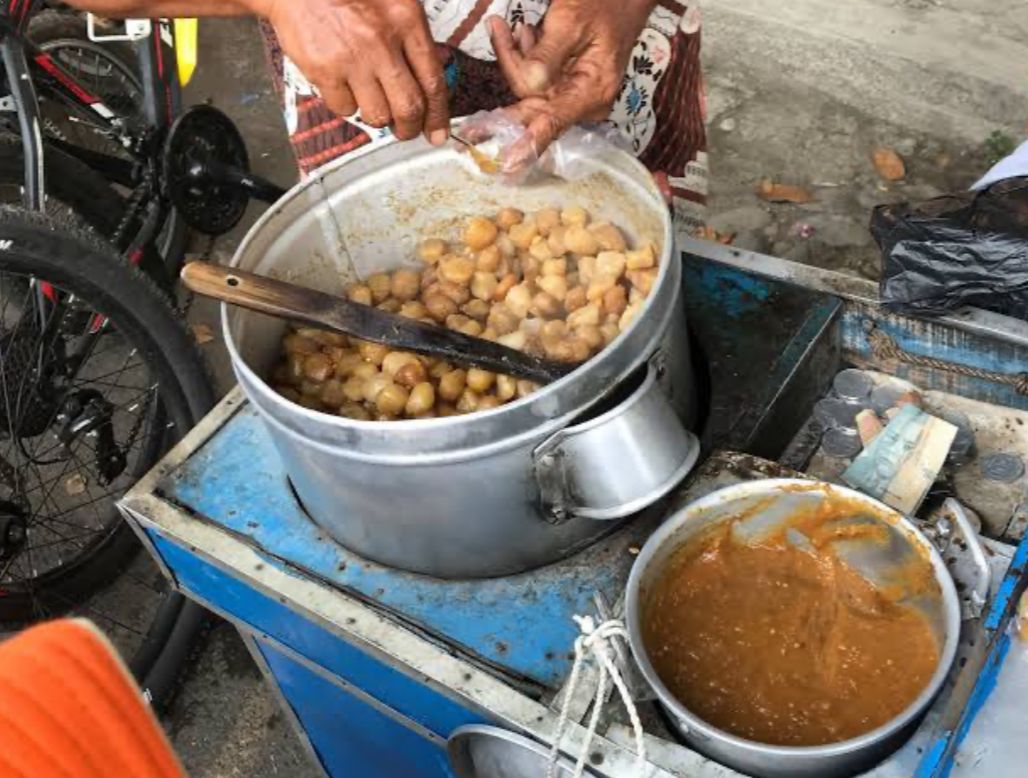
378 668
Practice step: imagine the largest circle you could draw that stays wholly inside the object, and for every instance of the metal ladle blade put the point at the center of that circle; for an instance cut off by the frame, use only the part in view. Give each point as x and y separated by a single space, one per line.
317 309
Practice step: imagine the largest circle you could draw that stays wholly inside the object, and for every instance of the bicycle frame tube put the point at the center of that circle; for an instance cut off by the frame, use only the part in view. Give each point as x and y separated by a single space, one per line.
30 70
159 73
23 94
51 77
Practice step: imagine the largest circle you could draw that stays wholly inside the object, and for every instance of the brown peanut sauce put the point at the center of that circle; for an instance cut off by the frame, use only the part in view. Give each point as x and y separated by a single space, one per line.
789 646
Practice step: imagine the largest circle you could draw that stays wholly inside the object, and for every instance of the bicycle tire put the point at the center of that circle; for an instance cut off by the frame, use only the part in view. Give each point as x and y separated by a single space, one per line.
68 181
58 250
55 23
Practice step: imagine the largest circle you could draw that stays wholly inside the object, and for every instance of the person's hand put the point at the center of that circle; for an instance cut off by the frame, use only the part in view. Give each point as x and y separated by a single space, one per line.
375 55
572 71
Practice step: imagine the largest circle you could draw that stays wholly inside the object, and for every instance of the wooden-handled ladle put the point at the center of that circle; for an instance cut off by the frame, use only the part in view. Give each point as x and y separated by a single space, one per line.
318 309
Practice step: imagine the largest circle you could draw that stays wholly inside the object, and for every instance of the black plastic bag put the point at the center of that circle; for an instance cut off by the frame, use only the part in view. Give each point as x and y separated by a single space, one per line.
962 249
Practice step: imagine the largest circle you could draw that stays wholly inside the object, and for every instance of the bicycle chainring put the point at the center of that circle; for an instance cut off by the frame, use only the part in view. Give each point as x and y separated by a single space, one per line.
200 136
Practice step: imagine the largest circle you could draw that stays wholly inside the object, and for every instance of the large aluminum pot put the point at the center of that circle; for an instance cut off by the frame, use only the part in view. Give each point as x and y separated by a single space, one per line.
760 507
496 492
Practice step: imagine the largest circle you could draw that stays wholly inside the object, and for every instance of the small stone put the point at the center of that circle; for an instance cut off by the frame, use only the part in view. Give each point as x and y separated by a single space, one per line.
920 192
870 198
751 240
906 147
798 252
840 231
727 125
75 485
634 550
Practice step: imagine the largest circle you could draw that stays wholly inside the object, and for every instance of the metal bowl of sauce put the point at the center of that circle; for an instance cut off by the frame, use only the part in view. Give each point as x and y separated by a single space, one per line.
792 628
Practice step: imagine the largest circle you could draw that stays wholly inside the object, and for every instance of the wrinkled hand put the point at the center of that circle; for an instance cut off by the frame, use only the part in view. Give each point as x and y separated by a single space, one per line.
572 71
375 55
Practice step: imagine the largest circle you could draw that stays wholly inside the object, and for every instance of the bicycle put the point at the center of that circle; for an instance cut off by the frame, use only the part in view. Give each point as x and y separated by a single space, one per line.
82 309
192 163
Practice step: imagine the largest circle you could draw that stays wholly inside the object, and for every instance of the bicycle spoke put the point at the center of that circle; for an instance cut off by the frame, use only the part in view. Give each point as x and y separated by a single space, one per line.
91 611
7 566
61 539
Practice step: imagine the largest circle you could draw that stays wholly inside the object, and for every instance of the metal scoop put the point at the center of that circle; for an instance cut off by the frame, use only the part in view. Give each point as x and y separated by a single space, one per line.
317 309
488 165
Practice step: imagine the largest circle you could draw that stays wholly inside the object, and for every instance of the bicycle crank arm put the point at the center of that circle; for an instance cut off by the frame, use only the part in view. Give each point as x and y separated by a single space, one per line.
214 172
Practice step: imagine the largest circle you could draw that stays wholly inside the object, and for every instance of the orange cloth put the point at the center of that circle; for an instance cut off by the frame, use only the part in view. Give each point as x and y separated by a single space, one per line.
70 709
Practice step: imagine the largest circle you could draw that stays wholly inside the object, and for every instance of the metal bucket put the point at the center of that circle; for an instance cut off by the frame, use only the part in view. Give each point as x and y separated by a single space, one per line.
496 492
483 751
765 505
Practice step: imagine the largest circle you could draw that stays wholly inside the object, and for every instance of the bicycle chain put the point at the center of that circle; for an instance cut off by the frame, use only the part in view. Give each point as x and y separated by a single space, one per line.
203 256
132 210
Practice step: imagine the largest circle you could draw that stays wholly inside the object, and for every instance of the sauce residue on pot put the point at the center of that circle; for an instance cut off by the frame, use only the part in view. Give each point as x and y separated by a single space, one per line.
786 645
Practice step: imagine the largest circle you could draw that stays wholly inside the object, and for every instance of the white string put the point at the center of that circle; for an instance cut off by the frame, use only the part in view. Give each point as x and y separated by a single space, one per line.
595 640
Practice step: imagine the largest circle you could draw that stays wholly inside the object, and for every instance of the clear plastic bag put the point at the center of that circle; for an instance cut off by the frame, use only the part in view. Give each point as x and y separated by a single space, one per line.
505 140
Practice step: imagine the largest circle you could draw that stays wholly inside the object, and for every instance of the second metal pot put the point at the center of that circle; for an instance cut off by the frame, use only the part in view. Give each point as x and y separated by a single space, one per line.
765 505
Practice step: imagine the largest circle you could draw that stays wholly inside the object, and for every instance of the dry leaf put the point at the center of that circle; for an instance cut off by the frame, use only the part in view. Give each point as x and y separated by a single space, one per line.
709 233
75 485
202 334
889 164
783 193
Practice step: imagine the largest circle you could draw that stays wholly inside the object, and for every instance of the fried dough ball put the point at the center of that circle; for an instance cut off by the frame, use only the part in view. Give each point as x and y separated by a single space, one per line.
552 283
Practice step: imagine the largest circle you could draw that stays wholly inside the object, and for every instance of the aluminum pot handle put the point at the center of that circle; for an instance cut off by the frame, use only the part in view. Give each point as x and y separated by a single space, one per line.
618 463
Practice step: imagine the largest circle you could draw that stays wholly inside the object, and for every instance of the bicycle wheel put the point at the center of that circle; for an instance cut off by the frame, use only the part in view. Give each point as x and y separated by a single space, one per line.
109 70
106 70
98 378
